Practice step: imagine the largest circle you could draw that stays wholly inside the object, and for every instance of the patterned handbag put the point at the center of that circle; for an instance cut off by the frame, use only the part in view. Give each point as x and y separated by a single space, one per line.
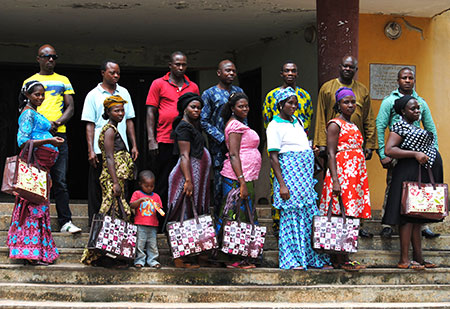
25 177
240 238
113 237
335 234
425 200
192 236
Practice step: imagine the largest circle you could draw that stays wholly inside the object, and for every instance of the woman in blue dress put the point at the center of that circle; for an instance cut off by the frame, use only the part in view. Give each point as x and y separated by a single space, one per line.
29 235
292 161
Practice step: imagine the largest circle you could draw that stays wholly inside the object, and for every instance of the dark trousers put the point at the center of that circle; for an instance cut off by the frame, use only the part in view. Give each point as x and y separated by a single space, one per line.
94 189
59 185
165 162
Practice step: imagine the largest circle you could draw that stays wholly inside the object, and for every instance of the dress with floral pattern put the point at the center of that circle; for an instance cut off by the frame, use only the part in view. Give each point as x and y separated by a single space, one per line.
352 174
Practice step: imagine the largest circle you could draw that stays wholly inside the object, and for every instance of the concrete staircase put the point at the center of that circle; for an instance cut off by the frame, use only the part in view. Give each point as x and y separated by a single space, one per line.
68 283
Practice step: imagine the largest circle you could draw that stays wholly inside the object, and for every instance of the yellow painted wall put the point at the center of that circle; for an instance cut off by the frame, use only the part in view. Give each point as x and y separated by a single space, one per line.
430 55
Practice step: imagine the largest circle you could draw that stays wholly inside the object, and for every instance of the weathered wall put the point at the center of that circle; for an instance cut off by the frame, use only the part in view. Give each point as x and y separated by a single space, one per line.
430 56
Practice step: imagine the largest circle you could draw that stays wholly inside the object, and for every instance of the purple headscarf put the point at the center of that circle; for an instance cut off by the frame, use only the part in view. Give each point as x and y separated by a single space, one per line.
343 92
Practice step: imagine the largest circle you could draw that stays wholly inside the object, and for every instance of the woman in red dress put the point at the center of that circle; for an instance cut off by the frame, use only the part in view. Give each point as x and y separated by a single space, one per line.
347 173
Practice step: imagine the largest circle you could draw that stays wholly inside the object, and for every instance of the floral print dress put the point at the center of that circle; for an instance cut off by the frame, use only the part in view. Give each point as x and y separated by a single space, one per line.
352 174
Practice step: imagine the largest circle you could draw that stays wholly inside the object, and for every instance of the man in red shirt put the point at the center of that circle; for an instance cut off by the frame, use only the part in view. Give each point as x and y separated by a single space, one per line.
161 111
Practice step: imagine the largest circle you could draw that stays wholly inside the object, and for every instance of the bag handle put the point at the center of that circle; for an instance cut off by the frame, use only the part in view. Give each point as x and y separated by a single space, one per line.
28 149
112 211
183 208
341 205
430 175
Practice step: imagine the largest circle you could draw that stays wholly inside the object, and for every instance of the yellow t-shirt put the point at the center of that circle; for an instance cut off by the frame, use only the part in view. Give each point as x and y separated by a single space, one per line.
56 86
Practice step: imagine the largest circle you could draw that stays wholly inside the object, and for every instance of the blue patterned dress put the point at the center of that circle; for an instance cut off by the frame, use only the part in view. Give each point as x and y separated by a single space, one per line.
30 236
298 211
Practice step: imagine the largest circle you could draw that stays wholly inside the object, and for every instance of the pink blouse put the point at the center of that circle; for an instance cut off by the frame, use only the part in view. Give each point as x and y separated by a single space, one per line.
249 154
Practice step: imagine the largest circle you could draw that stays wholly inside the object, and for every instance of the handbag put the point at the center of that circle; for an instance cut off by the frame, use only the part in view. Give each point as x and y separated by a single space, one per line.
25 177
113 237
335 234
192 236
425 200
241 238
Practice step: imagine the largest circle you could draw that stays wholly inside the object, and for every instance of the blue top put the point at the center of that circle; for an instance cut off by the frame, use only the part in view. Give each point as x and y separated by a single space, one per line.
33 126
211 121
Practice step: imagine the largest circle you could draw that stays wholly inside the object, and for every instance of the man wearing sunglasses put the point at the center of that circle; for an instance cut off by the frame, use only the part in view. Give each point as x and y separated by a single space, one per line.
58 109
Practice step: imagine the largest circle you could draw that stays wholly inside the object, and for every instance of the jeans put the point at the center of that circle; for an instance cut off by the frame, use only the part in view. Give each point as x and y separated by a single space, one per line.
147 245
59 187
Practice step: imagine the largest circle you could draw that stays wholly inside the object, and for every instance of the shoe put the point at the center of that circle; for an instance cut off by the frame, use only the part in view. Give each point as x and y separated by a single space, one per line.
70 228
386 232
412 265
429 233
365 233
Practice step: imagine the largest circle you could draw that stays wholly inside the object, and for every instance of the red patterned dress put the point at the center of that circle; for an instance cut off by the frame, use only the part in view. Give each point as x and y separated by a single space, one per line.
352 174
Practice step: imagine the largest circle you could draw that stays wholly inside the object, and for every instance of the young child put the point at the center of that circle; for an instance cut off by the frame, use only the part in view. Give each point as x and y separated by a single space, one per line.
146 203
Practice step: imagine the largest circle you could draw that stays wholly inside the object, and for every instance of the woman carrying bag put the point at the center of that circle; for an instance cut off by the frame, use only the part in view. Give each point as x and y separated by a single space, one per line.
292 161
242 164
414 147
189 179
347 172
29 235
118 167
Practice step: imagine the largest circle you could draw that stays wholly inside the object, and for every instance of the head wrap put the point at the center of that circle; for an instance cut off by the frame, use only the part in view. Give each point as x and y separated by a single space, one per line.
284 94
400 103
187 98
343 92
113 100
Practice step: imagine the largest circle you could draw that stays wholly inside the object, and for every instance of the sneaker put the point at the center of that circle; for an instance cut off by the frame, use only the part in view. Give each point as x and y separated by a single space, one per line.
70 228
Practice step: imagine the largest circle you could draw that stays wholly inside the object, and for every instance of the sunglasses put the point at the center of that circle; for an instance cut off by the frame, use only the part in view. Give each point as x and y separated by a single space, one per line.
48 56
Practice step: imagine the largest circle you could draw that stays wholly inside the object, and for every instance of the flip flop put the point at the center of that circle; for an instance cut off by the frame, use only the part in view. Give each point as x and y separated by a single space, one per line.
412 265
428 264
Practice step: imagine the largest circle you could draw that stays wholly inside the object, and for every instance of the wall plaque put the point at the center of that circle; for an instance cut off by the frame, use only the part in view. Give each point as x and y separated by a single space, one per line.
383 79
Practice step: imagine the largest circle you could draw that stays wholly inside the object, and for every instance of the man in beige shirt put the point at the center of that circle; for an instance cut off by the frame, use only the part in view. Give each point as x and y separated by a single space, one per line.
362 117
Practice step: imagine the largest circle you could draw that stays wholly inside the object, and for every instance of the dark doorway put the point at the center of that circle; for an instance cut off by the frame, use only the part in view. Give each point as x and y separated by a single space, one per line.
83 79
250 82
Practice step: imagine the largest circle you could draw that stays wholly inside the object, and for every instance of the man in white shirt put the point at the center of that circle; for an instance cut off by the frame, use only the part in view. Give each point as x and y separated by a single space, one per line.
92 113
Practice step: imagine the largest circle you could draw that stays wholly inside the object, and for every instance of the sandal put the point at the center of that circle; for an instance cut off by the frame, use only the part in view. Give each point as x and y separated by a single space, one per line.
156 266
298 268
138 265
428 264
234 265
327 267
246 265
411 265
352 266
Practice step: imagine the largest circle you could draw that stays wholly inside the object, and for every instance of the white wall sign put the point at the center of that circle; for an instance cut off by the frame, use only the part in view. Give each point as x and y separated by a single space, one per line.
383 79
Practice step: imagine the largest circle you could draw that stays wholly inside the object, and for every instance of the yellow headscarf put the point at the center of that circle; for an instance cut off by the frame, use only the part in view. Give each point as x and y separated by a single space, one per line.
113 100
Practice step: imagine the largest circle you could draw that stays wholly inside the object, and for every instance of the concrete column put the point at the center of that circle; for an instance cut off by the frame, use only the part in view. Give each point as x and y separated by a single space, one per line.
337 34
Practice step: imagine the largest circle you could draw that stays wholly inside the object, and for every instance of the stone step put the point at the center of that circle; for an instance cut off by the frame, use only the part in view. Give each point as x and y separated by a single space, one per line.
442 243
10 304
371 258
188 294
80 219
87 275
82 210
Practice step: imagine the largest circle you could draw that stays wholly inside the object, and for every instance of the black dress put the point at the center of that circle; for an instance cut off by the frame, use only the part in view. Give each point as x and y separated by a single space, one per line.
415 139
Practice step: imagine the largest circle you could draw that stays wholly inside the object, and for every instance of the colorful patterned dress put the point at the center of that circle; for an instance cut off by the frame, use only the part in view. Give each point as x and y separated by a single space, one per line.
352 174
296 160
30 236
124 170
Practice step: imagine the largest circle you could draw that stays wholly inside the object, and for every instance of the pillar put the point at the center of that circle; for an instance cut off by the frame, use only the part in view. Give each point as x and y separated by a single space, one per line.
337 35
